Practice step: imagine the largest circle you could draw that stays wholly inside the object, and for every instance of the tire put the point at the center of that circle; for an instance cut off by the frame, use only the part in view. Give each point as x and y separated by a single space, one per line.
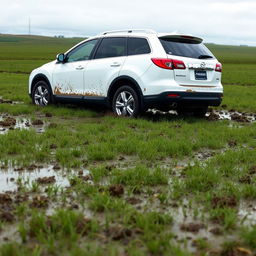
126 102
41 94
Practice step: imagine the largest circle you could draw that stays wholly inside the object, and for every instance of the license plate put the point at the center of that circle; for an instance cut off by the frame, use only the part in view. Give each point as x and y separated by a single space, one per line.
200 75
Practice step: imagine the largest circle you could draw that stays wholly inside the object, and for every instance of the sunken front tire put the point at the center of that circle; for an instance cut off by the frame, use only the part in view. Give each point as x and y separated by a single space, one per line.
41 94
126 102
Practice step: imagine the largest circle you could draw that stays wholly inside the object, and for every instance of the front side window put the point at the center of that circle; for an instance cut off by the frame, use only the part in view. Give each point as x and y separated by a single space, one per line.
111 47
138 46
82 52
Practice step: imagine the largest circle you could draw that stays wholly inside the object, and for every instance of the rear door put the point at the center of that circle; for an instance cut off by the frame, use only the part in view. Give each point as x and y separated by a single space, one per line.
200 63
105 66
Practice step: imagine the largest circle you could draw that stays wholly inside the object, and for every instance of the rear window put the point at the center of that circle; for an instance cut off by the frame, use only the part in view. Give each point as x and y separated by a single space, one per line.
186 48
138 46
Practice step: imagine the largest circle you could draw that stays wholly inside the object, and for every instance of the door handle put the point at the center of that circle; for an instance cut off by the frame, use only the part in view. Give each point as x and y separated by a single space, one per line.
79 67
115 64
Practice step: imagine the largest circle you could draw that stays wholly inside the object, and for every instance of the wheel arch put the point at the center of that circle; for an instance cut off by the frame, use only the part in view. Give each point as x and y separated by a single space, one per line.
37 78
124 80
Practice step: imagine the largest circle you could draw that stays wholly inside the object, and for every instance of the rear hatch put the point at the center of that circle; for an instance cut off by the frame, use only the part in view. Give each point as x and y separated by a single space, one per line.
199 69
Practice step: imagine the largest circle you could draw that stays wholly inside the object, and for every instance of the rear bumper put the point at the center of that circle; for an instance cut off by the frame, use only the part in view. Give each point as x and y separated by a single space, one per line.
183 98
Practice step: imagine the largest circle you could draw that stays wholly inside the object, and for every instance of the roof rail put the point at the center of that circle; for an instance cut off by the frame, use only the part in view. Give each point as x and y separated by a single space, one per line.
148 31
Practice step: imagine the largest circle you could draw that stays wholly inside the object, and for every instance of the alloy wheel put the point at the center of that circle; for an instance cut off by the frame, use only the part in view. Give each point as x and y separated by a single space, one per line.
125 104
41 96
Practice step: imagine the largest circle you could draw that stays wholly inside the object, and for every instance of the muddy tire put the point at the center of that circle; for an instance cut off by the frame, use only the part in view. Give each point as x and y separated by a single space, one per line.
126 102
42 94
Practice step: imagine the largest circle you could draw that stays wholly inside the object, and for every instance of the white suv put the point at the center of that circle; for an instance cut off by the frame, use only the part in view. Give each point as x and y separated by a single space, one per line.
131 71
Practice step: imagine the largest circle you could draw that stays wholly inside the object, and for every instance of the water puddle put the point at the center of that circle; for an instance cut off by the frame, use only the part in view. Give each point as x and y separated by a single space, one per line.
247 213
11 178
8 123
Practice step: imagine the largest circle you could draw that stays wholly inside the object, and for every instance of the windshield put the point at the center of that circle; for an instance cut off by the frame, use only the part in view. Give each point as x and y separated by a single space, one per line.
186 48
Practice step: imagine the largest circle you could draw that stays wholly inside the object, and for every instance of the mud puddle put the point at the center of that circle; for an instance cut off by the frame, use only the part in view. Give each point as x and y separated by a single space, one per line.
11 178
231 115
211 115
8 123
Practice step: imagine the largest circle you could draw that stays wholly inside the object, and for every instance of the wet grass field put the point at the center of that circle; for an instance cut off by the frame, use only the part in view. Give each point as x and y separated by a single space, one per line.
79 181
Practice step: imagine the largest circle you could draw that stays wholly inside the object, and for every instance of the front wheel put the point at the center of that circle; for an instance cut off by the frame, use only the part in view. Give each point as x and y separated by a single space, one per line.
41 94
126 102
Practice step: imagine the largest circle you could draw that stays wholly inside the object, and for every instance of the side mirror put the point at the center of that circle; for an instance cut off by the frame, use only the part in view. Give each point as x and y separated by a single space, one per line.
61 57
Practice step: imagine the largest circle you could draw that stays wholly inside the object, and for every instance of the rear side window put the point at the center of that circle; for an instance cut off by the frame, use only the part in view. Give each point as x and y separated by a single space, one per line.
138 46
111 47
186 48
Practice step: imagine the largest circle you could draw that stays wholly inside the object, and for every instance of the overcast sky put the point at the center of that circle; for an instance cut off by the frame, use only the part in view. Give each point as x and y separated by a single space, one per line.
218 21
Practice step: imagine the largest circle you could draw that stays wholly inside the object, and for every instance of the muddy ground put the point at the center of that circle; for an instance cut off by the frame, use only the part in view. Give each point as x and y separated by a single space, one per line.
42 186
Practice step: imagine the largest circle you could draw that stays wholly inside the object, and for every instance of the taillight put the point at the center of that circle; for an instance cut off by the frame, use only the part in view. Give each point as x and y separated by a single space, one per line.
178 64
218 67
169 63
163 63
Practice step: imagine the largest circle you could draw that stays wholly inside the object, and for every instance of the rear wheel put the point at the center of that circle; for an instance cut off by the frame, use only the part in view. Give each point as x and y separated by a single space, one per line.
41 94
126 102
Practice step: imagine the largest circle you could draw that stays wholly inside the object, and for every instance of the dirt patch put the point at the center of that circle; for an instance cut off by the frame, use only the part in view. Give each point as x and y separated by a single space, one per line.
53 146
216 231
82 225
133 200
213 117
246 179
116 190
239 118
7 216
6 101
32 167
118 232
5 199
252 170
9 121
192 227
46 180
232 143
37 122
56 167
39 202
47 114
220 202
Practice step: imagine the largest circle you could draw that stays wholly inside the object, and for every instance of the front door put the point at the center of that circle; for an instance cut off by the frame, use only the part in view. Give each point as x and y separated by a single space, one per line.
68 77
